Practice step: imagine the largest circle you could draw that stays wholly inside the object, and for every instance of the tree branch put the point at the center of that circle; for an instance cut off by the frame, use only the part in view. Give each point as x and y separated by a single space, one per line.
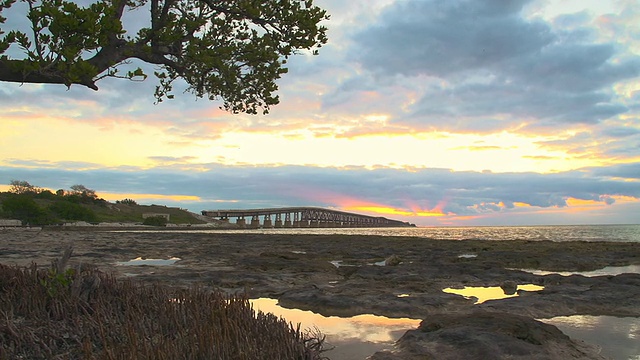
142 52
11 71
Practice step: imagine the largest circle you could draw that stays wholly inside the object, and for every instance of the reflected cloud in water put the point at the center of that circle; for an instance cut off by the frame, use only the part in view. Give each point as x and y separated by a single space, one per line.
360 336
354 337
618 337
483 294
139 261
606 271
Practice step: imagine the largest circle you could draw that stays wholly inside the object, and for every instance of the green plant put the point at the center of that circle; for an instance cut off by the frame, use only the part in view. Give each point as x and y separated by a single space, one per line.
155 221
56 282
126 202
72 211
101 317
23 207
233 50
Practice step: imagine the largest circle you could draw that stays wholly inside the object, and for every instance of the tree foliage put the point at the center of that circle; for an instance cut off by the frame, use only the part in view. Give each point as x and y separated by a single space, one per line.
23 207
72 211
22 187
233 50
36 206
81 194
127 201
155 221
83 191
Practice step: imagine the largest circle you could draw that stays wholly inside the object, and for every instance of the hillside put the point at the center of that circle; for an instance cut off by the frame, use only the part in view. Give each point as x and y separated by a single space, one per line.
134 213
50 209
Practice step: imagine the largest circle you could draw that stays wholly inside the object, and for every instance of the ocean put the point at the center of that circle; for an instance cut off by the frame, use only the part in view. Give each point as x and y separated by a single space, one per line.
614 233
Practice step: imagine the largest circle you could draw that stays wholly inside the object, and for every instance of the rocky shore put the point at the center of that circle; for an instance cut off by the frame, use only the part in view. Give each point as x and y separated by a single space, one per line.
350 275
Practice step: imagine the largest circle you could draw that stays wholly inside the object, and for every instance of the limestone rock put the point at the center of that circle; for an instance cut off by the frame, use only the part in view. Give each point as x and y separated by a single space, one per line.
392 260
509 287
487 335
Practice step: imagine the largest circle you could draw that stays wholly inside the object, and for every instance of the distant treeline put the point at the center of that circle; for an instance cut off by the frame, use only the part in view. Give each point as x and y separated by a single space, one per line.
37 206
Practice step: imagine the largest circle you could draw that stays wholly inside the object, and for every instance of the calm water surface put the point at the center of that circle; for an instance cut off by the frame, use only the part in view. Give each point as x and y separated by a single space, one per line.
349 338
360 336
616 233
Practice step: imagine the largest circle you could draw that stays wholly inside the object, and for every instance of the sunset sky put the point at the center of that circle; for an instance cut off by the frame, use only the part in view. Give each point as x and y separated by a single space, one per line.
435 112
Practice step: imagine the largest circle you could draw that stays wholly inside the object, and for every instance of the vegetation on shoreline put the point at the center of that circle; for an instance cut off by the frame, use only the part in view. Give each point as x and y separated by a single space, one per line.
36 206
60 313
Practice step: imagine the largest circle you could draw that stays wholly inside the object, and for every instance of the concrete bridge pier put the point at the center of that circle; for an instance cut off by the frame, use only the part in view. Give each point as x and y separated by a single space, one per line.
267 222
287 220
241 222
255 222
278 223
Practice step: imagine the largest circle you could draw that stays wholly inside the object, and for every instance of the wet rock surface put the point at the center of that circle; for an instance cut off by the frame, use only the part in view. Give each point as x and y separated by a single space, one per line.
486 335
346 275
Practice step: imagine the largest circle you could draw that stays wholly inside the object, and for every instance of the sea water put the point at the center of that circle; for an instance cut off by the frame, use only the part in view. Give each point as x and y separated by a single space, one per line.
614 233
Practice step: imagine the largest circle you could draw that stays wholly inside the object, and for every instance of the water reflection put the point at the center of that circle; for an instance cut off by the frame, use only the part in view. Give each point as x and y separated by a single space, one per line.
483 294
339 263
354 338
154 262
611 233
606 271
618 337
360 336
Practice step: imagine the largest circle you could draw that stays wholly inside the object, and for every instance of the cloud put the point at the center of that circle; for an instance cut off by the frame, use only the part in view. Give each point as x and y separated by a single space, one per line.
621 132
445 38
624 171
427 190
392 73
484 66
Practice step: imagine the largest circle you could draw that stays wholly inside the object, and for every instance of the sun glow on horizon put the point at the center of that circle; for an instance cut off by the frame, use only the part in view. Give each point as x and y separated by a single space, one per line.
104 142
109 196
385 210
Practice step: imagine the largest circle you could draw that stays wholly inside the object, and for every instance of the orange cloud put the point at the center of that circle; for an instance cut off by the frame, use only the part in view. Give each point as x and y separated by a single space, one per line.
351 204
363 206
386 210
521 204
572 202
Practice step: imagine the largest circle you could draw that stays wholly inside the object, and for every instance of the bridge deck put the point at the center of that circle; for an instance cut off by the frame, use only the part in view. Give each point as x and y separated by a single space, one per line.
302 217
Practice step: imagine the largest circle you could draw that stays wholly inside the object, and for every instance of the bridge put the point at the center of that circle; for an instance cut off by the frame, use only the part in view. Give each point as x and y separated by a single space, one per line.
301 217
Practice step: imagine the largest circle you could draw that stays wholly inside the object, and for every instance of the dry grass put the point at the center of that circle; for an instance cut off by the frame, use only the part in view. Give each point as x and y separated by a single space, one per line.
55 313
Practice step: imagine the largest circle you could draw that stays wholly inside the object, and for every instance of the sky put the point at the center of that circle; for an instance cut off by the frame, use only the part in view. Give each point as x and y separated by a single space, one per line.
456 113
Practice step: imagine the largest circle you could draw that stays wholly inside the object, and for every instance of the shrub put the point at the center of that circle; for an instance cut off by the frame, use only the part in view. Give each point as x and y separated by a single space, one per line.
47 314
126 202
23 207
46 195
72 211
155 221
